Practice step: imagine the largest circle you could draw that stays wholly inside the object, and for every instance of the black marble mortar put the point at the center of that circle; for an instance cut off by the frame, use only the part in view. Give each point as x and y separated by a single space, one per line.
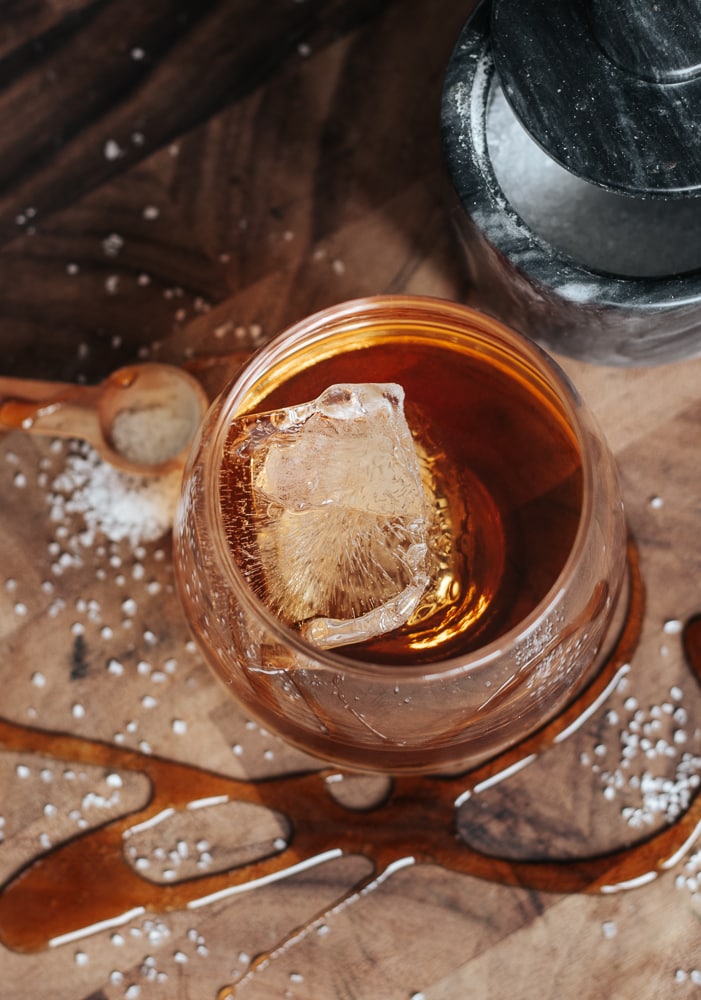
607 267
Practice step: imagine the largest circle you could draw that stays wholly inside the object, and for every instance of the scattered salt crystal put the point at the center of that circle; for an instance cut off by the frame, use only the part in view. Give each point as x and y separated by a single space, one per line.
112 150
112 244
672 626
123 508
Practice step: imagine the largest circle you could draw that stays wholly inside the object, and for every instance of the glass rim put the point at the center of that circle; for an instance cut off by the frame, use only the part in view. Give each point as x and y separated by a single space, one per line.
317 326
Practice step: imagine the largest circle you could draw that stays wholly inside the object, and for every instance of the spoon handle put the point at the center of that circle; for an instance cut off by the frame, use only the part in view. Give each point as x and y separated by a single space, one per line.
38 390
60 409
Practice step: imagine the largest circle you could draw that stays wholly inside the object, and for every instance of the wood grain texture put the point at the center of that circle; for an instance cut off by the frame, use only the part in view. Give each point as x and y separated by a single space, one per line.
180 179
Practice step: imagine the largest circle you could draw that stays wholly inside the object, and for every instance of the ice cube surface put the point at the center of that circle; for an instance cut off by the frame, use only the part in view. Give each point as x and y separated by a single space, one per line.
337 528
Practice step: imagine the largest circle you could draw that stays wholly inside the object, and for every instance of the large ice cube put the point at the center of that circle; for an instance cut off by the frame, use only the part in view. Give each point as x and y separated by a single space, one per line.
337 513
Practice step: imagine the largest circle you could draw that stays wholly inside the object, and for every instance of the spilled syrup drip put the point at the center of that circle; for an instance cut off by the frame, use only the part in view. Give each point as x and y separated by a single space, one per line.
86 881
691 644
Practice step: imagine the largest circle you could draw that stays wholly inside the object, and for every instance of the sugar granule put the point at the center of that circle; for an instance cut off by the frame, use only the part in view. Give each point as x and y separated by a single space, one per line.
120 507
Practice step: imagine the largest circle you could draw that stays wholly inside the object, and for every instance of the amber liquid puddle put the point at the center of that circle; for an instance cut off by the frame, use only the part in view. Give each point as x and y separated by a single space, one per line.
85 881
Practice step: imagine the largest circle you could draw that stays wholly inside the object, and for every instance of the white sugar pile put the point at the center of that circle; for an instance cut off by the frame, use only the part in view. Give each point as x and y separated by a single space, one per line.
118 506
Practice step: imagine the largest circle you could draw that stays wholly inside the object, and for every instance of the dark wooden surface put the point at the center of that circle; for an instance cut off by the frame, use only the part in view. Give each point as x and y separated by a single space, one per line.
233 121
185 178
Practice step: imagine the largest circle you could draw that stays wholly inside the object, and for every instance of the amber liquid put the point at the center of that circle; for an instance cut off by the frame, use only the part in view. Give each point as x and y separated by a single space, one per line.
87 880
501 466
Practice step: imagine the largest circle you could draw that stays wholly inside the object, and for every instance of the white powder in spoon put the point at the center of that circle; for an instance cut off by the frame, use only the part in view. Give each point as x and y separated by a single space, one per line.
119 506
151 434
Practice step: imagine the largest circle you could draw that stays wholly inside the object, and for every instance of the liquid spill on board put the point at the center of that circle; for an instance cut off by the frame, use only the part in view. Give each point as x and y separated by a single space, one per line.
414 820
108 876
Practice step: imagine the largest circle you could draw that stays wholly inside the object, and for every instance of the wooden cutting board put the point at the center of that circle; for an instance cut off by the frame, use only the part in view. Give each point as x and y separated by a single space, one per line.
185 180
